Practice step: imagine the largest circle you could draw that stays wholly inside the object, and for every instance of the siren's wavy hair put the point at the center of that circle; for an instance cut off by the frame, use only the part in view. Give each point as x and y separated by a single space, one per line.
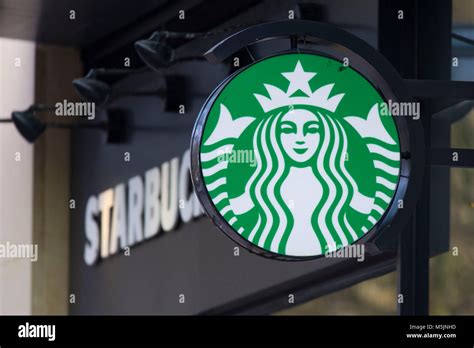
274 218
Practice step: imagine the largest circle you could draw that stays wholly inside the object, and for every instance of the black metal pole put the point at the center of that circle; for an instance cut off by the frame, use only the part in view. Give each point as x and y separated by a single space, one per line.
416 37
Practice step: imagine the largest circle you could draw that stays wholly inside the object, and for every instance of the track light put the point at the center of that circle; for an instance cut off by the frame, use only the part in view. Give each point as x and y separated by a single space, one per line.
27 124
91 89
31 127
154 52
157 54
95 86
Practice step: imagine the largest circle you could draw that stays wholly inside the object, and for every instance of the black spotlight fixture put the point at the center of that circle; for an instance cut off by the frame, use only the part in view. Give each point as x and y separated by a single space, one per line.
27 124
156 52
92 89
95 87
31 127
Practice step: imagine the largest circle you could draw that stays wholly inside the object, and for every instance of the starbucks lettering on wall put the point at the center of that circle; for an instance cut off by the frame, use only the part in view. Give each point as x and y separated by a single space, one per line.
292 159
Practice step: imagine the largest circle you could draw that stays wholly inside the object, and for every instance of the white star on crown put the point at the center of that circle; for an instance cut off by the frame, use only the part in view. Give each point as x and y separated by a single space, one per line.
299 80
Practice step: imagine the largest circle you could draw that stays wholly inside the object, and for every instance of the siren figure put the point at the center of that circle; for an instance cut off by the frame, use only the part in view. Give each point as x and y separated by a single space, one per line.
300 196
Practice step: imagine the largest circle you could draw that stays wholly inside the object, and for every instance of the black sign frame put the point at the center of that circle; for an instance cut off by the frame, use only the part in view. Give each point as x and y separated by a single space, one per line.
367 62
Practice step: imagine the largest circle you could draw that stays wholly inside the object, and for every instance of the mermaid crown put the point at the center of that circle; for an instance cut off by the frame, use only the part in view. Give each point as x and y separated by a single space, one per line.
299 80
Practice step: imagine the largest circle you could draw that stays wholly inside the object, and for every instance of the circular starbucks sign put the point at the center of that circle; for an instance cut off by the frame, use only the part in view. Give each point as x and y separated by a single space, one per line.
296 156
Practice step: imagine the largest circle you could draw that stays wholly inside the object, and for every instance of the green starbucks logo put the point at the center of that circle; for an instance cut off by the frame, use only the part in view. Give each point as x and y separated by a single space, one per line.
295 156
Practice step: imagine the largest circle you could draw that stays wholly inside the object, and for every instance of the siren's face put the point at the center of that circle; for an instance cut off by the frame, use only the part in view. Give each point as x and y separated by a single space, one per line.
300 135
